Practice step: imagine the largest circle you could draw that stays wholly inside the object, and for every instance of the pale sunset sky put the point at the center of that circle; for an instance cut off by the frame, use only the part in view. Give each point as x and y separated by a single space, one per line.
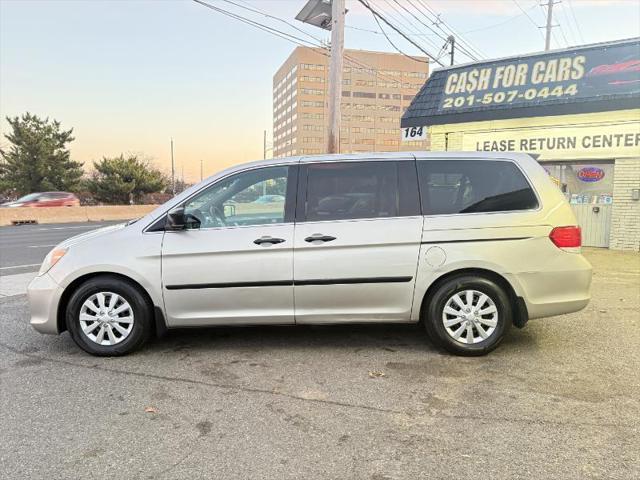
128 75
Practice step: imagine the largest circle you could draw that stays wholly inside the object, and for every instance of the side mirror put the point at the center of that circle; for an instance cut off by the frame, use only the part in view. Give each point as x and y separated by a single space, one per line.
175 219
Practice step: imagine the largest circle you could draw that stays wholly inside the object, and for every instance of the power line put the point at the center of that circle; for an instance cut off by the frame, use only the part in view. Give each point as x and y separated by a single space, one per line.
319 48
394 45
529 17
279 19
467 47
419 20
437 22
462 45
573 14
571 28
273 31
379 16
413 25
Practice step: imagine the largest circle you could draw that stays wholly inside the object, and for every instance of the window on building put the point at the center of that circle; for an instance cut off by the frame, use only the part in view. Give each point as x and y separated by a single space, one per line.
582 182
364 141
470 186
364 94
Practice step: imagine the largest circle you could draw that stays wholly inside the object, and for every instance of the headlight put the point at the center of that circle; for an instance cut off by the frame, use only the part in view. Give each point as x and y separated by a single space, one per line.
51 259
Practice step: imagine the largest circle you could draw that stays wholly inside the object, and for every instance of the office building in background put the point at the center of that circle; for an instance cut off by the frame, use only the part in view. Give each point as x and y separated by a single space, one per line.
377 88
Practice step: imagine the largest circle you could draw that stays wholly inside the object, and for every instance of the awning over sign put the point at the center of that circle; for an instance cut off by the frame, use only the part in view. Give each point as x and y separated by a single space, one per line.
593 78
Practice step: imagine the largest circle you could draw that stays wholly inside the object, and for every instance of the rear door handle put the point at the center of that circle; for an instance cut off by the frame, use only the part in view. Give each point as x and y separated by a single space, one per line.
318 237
270 240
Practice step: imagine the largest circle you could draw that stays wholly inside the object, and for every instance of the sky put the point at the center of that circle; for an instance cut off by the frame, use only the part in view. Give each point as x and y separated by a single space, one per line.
129 75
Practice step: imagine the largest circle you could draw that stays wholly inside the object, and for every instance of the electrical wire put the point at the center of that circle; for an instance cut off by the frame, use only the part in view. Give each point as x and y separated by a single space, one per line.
274 31
414 27
377 16
499 24
466 46
575 20
460 45
571 29
279 19
529 17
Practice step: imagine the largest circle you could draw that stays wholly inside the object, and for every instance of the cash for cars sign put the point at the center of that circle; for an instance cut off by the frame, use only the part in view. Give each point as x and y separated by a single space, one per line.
542 79
556 143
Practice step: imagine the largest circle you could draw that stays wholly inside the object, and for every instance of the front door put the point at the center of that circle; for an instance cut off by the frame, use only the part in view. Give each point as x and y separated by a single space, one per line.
358 232
237 267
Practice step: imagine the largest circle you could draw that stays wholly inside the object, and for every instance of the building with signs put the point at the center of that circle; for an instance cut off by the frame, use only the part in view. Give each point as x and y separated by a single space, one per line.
377 88
578 110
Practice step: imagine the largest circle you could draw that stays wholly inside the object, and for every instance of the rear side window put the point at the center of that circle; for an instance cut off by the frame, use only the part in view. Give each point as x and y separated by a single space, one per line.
351 190
471 186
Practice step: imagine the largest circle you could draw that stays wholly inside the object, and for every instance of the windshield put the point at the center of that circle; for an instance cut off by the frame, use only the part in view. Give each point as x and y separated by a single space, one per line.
29 198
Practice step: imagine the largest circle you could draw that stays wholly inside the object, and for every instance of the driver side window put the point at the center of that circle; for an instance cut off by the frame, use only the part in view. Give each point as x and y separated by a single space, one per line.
256 197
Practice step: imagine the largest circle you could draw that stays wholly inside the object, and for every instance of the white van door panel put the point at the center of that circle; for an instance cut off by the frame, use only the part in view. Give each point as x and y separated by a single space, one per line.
234 265
220 276
358 231
366 274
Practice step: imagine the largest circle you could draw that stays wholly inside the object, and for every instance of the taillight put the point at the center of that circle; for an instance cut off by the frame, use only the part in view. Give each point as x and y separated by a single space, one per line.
569 238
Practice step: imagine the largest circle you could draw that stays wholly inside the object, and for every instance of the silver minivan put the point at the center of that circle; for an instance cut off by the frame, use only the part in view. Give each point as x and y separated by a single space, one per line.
467 244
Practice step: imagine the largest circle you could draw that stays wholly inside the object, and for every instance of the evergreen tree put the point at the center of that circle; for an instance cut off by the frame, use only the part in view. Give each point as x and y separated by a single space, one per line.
123 180
38 159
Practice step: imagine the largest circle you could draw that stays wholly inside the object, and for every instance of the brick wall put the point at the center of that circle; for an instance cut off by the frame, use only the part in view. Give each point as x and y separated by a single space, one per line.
625 217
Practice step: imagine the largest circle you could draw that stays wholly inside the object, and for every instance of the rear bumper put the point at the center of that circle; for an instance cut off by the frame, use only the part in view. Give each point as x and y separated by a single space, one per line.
44 295
563 289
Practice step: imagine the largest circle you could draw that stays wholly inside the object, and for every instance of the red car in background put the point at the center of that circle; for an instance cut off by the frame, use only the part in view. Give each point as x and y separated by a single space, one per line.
45 199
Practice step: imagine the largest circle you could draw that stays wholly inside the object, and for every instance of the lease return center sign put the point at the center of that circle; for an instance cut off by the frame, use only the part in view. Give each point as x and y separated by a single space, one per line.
557 143
543 79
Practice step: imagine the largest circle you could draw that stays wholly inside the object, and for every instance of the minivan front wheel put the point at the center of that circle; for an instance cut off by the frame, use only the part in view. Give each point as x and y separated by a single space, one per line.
468 315
108 316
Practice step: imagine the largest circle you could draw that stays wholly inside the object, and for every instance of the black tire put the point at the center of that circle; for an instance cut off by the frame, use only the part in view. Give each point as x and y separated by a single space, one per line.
142 313
433 315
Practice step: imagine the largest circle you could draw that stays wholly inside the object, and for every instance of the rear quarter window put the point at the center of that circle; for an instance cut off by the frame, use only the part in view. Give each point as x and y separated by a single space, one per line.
473 186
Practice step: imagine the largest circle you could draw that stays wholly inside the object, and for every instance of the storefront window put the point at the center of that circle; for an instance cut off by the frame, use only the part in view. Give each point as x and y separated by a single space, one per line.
583 182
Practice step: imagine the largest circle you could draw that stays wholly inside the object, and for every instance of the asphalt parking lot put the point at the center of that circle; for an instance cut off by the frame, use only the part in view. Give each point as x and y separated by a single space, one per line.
559 399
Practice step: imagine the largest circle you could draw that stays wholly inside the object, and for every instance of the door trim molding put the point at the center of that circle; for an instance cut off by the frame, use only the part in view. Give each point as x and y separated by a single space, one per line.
500 239
290 283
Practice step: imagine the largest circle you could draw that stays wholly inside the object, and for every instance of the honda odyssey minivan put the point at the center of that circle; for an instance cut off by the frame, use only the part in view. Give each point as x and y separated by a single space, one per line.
467 244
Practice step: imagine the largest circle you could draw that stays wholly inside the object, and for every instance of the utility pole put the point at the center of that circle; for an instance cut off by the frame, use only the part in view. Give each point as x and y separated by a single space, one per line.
335 74
452 42
201 163
547 38
173 171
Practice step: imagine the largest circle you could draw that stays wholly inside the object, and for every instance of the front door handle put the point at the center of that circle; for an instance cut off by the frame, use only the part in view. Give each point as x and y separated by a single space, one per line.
319 237
267 239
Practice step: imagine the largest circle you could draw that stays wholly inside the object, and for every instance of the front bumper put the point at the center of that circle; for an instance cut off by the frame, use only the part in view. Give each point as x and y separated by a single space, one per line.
44 296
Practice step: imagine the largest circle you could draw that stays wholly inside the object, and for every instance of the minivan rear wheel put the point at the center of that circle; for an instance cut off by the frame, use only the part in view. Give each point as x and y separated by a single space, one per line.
468 315
107 316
